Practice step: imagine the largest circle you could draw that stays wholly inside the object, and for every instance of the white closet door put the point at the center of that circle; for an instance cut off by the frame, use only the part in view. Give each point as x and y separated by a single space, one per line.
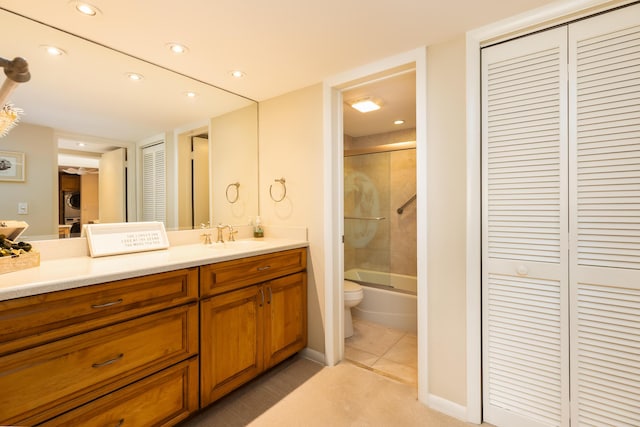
154 194
525 232
604 57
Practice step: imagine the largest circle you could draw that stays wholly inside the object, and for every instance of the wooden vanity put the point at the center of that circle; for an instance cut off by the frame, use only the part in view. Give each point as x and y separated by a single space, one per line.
149 350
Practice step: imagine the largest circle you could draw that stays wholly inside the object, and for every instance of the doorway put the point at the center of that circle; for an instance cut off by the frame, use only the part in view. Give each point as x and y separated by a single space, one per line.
334 201
90 170
380 225
193 178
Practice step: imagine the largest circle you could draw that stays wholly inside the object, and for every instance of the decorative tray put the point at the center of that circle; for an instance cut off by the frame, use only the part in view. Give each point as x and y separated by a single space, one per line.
14 255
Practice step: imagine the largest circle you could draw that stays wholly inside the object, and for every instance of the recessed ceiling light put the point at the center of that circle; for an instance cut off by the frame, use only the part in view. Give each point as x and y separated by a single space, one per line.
237 74
177 48
135 76
365 105
86 8
54 51
191 94
398 122
81 144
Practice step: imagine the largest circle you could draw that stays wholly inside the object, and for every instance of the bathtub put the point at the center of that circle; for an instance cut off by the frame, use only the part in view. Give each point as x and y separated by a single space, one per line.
389 299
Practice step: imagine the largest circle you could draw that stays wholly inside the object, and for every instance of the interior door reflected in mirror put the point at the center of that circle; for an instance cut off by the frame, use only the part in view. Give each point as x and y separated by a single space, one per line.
106 111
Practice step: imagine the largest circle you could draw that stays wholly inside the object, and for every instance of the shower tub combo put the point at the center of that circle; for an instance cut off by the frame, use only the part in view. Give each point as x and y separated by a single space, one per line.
389 299
379 222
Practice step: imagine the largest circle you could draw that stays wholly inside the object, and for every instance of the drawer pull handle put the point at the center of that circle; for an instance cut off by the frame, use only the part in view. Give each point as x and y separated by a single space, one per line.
108 362
261 297
270 295
266 267
107 304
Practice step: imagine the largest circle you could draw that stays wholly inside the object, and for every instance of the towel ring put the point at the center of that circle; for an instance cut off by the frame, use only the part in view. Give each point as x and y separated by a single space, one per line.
284 190
237 186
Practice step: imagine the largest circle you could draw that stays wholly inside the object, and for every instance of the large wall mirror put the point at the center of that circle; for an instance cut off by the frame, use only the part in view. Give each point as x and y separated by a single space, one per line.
83 115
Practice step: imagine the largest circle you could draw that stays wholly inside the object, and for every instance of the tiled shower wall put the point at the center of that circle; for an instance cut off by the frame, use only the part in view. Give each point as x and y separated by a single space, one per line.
377 184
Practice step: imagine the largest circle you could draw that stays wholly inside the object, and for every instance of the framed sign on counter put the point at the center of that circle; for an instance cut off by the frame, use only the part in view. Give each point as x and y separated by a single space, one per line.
125 237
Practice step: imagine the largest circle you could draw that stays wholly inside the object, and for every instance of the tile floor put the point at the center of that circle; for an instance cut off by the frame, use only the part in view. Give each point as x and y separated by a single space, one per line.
384 350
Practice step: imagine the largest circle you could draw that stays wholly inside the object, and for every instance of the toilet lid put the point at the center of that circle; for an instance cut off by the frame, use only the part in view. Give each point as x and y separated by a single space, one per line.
350 286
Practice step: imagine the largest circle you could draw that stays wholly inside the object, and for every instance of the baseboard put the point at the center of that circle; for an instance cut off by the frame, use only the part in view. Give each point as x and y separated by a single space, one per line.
448 407
314 355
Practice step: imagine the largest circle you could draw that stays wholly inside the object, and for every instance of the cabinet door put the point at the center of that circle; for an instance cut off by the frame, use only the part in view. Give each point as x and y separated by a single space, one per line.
285 317
230 341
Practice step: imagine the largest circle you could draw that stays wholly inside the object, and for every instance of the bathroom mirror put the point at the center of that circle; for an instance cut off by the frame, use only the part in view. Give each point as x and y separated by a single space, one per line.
86 95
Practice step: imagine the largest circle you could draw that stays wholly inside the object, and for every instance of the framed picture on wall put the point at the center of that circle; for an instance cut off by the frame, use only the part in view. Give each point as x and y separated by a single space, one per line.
11 166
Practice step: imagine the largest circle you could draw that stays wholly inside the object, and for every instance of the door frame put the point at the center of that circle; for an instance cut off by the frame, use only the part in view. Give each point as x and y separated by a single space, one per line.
543 17
334 194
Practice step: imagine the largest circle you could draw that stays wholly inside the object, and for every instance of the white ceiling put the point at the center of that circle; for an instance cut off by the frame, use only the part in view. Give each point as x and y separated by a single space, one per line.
281 45
396 96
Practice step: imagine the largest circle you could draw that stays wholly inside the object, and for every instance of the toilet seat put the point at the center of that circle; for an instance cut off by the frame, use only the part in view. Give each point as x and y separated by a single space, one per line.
352 290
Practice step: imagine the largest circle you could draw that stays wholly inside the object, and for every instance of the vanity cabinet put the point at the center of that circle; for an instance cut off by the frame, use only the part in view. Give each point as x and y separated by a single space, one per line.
253 315
114 352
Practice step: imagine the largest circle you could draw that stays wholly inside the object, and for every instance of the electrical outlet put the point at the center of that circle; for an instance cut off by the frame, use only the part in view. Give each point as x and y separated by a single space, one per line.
23 208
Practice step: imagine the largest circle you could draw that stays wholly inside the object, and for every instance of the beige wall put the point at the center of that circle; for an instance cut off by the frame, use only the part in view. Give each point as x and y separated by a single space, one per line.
40 187
89 205
234 158
446 175
291 148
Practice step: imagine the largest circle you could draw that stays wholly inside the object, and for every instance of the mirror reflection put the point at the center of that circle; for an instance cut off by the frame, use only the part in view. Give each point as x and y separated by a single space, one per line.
101 147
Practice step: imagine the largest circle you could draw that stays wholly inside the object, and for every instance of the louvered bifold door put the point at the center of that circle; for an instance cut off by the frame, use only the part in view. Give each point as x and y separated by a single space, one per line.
154 183
525 279
604 67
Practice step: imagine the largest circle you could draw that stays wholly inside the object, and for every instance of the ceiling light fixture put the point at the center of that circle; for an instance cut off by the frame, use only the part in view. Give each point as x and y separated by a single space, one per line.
135 77
177 48
365 105
398 122
237 74
86 8
54 51
191 94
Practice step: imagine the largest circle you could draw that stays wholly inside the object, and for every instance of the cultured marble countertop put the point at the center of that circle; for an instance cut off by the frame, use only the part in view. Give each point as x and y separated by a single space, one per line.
74 272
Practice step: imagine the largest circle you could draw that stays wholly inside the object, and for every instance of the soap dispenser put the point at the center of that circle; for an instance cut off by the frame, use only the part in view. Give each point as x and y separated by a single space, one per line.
257 228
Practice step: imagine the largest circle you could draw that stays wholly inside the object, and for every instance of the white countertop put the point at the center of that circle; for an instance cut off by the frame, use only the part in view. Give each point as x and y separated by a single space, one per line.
74 272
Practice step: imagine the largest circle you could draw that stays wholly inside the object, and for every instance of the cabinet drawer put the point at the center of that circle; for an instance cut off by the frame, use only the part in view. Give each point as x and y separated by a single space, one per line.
26 322
229 275
160 400
44 381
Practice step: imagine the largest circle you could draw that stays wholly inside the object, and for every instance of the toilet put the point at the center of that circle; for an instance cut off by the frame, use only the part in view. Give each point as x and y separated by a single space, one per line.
352 296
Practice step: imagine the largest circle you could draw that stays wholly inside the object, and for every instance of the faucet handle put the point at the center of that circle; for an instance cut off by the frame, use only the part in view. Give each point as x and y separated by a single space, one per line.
206 235
232 232
207 238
